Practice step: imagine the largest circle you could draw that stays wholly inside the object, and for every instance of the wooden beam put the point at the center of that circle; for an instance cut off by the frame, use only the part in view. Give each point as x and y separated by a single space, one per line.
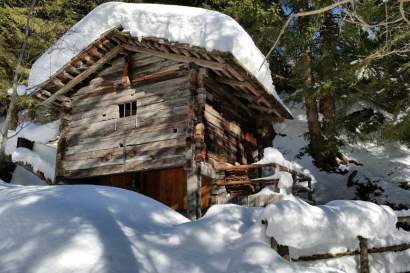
176 57
325 256
79 78
231 82
257 166
403 219
233 182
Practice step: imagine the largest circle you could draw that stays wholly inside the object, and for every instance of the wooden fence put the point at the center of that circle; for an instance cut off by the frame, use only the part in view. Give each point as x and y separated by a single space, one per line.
363 251
249 176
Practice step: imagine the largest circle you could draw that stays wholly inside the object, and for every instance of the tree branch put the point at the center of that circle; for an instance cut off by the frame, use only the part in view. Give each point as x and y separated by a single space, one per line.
403 14
301 14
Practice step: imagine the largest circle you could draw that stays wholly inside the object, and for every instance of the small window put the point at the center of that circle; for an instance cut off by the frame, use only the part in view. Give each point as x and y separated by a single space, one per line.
127 109
25 143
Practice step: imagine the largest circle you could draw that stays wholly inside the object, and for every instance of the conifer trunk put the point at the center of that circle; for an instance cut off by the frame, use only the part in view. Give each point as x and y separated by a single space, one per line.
328 42
323 144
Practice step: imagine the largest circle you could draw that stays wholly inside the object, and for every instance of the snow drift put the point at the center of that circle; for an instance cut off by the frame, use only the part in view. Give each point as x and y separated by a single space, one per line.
336 223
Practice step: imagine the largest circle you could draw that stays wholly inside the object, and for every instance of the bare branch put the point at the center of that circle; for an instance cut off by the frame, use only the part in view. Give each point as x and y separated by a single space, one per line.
403 14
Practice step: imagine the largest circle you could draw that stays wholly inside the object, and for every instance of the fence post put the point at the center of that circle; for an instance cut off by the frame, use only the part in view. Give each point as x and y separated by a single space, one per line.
282 250
364 255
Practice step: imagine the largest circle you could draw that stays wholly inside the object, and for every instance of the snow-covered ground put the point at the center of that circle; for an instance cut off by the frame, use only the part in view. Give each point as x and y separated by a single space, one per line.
386 166
97 229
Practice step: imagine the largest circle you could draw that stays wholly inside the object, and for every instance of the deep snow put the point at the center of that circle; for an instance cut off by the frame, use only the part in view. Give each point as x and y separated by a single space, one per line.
102 229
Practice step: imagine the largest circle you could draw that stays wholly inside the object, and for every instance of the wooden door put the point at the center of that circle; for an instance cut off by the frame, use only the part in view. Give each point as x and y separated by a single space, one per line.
167 186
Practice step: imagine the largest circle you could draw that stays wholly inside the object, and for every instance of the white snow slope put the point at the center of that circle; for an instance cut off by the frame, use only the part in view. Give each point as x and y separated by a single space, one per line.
195 26
386 166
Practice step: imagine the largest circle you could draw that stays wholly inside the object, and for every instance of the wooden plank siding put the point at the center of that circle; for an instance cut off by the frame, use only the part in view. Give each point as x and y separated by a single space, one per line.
229 127
98 142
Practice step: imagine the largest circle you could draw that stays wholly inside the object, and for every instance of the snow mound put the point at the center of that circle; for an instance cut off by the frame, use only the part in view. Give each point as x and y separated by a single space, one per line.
195 26
95 229
272 155
303 226
81 229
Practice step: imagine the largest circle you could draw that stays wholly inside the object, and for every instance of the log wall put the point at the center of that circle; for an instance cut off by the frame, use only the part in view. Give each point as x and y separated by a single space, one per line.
96 141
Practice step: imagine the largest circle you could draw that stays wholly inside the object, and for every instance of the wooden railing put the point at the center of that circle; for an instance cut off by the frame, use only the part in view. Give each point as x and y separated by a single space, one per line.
250 175
247 167
363 251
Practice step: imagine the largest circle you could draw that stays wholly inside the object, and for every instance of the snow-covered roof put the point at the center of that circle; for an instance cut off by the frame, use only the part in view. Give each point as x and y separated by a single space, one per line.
198 27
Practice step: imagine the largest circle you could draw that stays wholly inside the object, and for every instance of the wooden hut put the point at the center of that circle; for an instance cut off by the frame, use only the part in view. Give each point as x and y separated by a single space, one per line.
157 117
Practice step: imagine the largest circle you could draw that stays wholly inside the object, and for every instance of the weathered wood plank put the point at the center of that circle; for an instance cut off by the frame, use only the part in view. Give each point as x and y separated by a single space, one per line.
171 72
123 158
142 121
79 78
176 57
134 138
153 125
175 101
107 153
141 97
102 93
132 166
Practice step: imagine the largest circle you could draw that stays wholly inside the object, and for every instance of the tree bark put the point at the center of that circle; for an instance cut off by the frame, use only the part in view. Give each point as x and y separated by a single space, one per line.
311 103
323 144
328 43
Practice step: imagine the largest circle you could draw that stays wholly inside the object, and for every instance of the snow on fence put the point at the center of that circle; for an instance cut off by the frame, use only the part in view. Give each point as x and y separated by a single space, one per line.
363 251
244 181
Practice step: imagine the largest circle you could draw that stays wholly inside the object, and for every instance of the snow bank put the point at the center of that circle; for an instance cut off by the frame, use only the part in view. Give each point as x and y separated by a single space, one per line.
258 257
302 226
43 227
195 26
